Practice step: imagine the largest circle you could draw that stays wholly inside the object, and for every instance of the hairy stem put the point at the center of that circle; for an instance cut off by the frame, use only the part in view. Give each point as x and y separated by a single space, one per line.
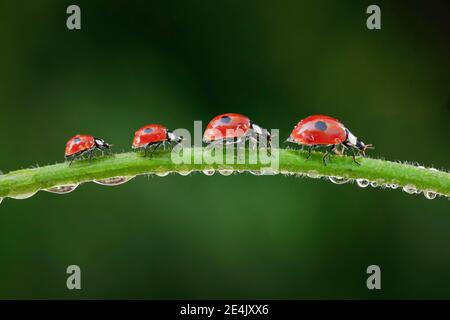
22 183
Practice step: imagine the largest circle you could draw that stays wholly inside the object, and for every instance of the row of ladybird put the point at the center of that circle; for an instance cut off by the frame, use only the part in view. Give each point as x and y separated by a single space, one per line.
313 131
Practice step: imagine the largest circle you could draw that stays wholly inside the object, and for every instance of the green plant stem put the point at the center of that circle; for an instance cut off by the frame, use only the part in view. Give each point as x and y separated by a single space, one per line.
20 183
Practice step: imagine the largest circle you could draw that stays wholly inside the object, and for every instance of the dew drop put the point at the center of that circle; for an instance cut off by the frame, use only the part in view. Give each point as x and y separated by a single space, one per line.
363 183
23 196
393 186
255 172
374 184
184 173
268 171
313 174
114 181
430 194
62 189
409 188
226 172
1 199
209 172
162 174
434 169
338 180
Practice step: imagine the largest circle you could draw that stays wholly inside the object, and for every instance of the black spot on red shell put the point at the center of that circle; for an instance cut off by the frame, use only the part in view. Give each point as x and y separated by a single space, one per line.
148 130
320 125
225 119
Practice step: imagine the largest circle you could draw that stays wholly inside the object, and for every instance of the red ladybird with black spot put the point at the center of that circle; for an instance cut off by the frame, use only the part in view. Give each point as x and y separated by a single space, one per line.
233 127
322 130
153 135
82 143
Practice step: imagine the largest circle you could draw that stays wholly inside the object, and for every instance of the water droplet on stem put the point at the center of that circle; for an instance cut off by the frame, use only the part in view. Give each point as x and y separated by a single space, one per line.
226 172
409 188
63 189
114 181
313 174
430 194
209 172
162 174
363 183
23 196
338 180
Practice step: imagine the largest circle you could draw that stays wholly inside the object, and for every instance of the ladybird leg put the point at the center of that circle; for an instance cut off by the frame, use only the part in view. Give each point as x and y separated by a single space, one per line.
146 149
157 145
309 152
91 154
252 142
213 144
354 157
341 151
268 146
327 154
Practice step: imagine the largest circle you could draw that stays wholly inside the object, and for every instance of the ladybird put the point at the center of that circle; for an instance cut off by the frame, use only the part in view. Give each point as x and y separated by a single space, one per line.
81 143
153 135
233 128
321 130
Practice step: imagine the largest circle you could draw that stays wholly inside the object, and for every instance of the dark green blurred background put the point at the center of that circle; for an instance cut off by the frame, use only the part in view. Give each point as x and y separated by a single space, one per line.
173 62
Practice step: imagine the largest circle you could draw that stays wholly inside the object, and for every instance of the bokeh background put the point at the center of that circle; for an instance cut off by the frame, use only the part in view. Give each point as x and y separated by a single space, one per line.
173 62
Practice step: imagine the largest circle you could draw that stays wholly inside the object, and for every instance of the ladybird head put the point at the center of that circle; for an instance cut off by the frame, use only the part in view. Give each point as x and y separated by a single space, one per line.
354 142
172 137
260 131
102 144
362 147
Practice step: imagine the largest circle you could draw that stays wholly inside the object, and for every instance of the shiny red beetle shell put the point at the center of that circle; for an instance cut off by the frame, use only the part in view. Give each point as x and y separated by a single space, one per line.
149 134
228 125
319 130
79 144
